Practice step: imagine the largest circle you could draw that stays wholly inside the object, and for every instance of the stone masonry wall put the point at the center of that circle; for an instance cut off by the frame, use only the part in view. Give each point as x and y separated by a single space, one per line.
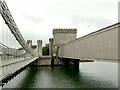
62 36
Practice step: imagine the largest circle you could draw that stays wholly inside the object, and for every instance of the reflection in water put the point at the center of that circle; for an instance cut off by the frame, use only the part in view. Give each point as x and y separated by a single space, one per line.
29 80
60 77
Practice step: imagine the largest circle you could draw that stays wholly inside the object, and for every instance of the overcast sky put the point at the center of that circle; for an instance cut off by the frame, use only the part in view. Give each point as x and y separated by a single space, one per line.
37 18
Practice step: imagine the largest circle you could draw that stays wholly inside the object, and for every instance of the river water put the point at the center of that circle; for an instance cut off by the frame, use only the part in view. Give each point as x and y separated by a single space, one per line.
89 75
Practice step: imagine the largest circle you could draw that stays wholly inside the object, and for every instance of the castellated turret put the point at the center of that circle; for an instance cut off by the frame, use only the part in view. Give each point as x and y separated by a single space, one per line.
74 31
62 36
29 43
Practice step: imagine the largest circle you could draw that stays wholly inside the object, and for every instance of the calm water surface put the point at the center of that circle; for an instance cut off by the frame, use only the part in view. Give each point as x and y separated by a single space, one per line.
89 75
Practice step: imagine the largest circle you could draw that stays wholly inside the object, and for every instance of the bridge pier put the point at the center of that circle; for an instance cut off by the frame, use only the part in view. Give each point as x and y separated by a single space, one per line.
76 63
65 62
68 62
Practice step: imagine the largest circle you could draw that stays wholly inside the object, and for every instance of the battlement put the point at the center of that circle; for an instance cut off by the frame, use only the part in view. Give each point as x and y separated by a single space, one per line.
51 40
39 42
29 42
64 31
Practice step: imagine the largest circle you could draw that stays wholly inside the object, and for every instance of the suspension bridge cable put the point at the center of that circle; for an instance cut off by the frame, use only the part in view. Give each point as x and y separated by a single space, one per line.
4 11
3 35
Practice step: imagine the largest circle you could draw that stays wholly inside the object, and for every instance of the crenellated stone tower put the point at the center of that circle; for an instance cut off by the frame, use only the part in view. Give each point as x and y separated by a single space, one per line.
60 36
29 43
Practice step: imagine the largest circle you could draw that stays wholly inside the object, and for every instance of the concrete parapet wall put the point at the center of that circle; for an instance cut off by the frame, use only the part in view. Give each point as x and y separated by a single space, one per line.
9 67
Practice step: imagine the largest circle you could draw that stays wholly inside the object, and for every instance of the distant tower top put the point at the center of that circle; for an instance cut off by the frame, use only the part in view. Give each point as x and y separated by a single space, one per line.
29 43
64 31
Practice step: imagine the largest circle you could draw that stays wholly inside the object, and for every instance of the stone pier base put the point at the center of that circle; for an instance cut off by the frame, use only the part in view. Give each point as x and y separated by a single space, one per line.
47 61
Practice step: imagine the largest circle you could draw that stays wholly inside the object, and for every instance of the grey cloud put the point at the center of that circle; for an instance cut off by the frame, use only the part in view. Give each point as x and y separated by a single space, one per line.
98 22
33 18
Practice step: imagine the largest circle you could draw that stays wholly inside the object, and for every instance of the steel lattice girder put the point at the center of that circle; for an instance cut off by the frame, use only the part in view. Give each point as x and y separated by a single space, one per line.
4 11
